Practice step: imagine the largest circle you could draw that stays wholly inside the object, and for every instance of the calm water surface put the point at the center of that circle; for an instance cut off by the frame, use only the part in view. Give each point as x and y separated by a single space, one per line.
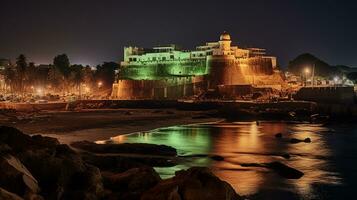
328 162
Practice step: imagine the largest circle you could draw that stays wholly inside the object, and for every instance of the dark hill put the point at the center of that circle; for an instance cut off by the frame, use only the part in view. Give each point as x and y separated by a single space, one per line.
322 68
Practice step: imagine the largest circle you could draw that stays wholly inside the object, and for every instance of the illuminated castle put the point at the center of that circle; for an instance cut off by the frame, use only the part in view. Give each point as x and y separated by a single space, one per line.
170 73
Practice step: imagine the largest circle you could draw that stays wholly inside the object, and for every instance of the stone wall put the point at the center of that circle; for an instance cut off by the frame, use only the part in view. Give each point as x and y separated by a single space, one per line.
173 88
338 95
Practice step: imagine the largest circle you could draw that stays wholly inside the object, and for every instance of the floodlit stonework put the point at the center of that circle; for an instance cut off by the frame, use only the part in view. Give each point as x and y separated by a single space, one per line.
170 73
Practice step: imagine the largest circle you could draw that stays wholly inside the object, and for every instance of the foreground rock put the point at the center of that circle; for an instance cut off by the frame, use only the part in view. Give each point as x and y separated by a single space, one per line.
132 183
285 171
116 163
41 164
37 168
280 168
135 148
295 141
193 184
15 178
6 195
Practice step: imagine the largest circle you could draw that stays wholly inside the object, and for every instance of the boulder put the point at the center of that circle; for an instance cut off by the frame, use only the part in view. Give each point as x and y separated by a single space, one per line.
61 172
14 138
286 156
20 142
16 178
132 183
307 140
6 195
217 157
294 140
279 135
134 148
192 184
117 163
280 168
285 171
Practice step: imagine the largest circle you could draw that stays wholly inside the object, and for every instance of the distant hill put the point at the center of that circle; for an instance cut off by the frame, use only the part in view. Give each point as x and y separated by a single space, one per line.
322 68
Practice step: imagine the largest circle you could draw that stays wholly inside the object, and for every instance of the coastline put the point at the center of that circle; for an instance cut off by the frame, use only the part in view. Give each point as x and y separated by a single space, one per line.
93 125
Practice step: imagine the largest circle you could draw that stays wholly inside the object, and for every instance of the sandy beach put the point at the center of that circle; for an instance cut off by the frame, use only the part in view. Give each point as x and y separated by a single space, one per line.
93 125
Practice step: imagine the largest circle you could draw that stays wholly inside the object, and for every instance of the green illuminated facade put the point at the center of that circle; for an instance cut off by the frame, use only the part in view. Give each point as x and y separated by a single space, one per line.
167 72
161 63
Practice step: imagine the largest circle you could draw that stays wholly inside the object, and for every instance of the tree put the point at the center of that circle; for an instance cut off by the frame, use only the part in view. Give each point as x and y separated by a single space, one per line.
76 76
61 63
106 74
21 65
9 76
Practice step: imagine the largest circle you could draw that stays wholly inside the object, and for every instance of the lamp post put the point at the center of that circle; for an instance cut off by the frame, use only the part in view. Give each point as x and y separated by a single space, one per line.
313 75
306 71
100 83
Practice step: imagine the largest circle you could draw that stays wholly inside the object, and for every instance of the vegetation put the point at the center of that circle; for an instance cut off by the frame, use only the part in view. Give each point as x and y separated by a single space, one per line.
59 78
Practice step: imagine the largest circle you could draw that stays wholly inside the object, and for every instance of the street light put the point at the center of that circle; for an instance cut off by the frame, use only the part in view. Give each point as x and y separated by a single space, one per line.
100 83
306 71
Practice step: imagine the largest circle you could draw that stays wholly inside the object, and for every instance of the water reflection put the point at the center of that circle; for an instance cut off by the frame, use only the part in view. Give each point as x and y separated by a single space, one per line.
249 142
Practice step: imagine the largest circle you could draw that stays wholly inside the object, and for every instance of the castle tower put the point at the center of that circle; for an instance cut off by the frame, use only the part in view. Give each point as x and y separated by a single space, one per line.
225 43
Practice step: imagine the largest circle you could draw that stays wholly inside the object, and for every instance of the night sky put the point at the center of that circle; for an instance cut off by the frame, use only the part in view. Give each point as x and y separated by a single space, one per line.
94 31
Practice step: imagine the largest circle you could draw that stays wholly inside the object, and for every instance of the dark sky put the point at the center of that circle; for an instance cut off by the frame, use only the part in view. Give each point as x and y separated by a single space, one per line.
93 31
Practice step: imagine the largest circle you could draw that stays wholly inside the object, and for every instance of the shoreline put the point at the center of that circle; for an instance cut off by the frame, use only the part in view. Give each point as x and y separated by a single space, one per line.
102 124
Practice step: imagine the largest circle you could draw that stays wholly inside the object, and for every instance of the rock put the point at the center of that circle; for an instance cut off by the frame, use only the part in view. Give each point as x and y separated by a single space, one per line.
20 142
16 178
170 112
279 135
45 141
85 184
286 156
285 171
307 140
128 113
134 148
118 163
6 195
194 183
14 138
132 183
61 172
217 158
294 140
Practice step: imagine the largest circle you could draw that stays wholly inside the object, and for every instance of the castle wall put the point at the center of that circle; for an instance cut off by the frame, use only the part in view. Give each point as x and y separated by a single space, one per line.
226 70
172 88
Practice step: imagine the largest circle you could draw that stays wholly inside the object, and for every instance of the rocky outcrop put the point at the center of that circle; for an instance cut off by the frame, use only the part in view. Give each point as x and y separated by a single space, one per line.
117 163
36 168
15 178
132 183
135 148
280 168
295 141
40 164
6 195
192 184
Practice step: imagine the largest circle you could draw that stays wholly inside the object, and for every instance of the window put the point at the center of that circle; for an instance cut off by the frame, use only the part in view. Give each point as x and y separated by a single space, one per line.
172 57
163 58
154 58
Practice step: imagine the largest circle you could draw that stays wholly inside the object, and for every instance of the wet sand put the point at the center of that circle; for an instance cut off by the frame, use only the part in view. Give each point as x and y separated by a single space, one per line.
93 125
